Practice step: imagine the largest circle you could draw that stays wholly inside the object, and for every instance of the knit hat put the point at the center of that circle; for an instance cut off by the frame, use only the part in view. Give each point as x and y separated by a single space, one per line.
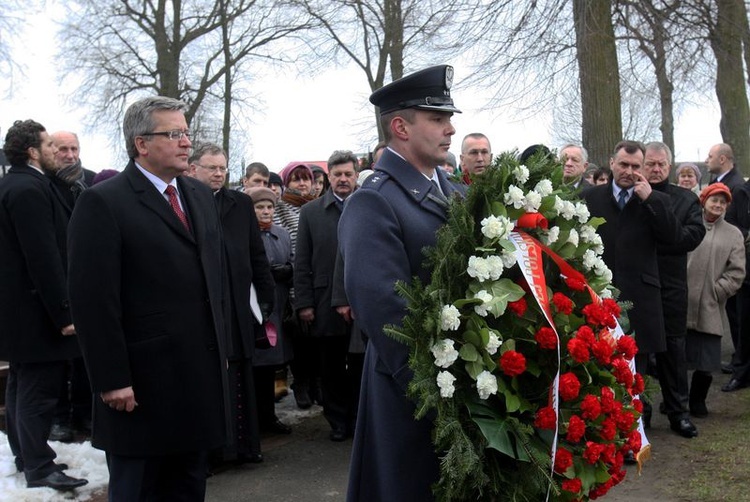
286 173
261 193
714 189
275 179
698 174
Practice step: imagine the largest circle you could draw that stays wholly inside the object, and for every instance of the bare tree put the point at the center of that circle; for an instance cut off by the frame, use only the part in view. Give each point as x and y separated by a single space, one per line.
384 36
186 50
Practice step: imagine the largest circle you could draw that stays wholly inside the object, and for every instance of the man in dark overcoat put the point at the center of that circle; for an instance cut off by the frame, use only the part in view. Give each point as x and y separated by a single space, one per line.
37 335
384 228
146 289
314 264
671 365
247 266
638 219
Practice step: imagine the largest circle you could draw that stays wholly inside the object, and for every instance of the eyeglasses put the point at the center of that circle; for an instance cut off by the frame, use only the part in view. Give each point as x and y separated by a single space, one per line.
213 169
477 153
174 134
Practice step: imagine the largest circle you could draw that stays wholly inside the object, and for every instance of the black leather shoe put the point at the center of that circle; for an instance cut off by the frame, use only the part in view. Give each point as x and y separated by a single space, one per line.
338 434
732 385
61 433
727 368
276 427
249 458
302 398
684 428
630 458
58 481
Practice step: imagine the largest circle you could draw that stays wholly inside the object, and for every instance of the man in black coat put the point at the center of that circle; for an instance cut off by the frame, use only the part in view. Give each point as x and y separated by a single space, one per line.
638 219
147 280
671 365
36 329
720 164
247 267
314 264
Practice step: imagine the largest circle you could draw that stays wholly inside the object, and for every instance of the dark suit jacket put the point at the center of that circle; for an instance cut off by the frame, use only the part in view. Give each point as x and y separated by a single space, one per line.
66 190
147 297
630 241
733 179
33 259
314 262
384 228
247 264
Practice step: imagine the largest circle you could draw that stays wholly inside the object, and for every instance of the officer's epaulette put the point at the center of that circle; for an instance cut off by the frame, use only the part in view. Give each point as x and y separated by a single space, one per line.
375 180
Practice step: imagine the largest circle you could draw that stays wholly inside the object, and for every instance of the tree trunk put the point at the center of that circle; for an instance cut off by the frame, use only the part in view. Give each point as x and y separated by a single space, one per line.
666 89
599 78
726 43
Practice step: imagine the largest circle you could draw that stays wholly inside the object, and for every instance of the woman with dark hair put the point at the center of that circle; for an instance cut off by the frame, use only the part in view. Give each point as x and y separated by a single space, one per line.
715 271
320 181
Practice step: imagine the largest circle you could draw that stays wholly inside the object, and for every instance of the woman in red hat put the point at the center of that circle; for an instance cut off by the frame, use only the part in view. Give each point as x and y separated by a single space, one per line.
716 269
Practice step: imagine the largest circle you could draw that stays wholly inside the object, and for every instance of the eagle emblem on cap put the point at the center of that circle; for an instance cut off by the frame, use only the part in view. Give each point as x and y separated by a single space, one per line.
448 77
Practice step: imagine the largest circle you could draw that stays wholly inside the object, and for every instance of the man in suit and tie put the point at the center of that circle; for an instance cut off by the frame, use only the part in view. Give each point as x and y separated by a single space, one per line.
147 280
315 260
383 230
720 163
638 219
37 335
247 266
575 160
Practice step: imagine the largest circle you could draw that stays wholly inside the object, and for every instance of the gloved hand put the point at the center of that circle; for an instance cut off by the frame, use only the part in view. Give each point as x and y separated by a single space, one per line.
282 273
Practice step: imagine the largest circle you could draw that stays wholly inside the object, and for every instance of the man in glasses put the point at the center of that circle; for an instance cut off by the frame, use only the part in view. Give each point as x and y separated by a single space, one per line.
575 160
147 285
476 155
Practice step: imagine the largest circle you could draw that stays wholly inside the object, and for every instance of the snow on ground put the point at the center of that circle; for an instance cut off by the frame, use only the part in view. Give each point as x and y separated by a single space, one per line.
83 462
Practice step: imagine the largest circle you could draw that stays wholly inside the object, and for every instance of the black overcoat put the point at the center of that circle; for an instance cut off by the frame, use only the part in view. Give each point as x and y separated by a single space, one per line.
147 297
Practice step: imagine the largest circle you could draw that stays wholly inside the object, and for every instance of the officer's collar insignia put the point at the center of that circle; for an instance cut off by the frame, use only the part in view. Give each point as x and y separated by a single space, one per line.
415 191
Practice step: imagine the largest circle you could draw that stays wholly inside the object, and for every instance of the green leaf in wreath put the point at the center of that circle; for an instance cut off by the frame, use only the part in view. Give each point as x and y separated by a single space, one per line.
508 345
473 338
512 402
469 353
474 369
500 436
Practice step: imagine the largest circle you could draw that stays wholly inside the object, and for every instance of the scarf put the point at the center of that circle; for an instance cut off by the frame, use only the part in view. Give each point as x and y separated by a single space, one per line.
295 198
73 176
265 226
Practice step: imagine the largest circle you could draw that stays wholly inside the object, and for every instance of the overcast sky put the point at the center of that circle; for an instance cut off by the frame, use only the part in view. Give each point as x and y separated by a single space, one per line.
301 118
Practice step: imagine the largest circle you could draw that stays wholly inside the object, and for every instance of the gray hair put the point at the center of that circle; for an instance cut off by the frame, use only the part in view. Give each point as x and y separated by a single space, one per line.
342 157
584 152
139 118
658 146
206 149
474 135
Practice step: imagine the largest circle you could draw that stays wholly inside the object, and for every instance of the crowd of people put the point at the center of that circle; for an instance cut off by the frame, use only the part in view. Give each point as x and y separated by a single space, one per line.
157 310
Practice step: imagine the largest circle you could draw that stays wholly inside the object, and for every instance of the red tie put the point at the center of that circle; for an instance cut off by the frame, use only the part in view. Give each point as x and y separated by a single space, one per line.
172 194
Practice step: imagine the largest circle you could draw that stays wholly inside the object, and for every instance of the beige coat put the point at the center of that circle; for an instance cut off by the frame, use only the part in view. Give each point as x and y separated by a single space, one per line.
715 271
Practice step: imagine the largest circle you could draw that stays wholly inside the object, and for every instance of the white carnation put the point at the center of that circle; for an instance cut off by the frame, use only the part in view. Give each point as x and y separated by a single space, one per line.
573 237
496 228
552 235
587 233
582 212
544 187
533 201
514 197
444 353
606 293
486 384
494 343
590 259
478 268
445 382
450 318
509 259
568 210
495 266
521 174
484 306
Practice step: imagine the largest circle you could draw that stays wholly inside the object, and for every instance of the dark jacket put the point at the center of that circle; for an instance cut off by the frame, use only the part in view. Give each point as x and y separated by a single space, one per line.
672 258
314 263
247 264
383 230
630 240
33 257
738 214
147 297
733 179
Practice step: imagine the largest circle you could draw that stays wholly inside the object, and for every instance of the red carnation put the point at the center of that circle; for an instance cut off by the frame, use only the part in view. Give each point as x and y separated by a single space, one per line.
563 304
638 385
602 351
563 460
625 421
586 335
545 418
634 440
578 350
572 485
611 306
627 346
621 370
609 457
518 307
596 315
608 429
592 452
608 400
638 405
575 284
590 407
601 490
576 429
512 363
546 338
570 386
